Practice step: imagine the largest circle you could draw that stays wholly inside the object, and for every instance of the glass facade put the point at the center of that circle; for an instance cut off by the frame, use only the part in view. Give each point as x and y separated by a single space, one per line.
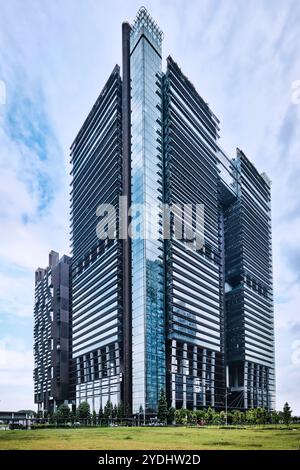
148 327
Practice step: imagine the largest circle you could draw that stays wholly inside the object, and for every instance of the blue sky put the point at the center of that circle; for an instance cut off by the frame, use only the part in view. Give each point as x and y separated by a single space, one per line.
55 56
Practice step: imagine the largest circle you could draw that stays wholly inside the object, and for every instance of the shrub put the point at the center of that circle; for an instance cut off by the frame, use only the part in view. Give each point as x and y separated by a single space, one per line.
181 416
83 412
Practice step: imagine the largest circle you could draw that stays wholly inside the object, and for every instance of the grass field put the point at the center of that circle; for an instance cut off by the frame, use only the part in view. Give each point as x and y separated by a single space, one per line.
152 438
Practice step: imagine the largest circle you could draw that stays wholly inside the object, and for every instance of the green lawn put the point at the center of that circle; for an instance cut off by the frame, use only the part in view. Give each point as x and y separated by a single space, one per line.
152 438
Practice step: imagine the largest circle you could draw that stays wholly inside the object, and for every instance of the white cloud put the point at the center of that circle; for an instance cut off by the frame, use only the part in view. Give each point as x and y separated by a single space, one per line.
15 296
296 353
16 369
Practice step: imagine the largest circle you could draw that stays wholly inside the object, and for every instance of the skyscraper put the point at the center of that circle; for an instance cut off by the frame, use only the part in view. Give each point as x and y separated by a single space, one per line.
96 156
152 312
249 296
52 334
194 288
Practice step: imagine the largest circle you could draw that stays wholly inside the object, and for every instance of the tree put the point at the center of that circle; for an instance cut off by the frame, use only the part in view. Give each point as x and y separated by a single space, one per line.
250 417
63 413
286 414
191 417
222 418
280 416
260 415
236 417
171 415
264 416
94 418
51 417
209 415
127 411
83 411
216 418
115 411
200 414
120 410
55 417
72 417
108 410
275 417
162 412
140 414
181 416
100 415
229 417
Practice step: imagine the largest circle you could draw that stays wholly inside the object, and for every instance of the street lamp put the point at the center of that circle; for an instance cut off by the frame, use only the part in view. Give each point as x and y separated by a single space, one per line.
226 395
